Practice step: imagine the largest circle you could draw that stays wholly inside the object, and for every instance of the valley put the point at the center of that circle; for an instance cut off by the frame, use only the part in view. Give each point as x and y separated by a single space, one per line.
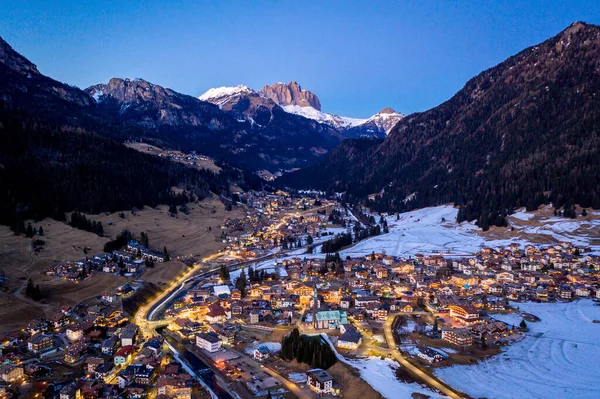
258 244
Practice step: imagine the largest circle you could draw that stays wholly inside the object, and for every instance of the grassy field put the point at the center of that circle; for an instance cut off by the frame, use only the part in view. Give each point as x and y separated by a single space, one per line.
16 313
18 260
185 236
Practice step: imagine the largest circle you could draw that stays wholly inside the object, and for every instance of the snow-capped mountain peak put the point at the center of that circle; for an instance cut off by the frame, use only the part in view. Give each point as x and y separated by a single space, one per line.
295 100
385 119
221 95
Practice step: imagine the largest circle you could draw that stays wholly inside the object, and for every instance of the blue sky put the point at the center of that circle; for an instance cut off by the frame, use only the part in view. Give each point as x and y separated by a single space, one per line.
358 57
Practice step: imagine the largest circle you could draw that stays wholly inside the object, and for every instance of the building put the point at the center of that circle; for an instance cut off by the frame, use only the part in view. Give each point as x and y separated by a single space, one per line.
70 392
74 333
216 314
108 345
123 355
261 353
458 336
11 372
329 319
349 340
210 342
128 335
179 386
40 343
465 314
432 356
321 382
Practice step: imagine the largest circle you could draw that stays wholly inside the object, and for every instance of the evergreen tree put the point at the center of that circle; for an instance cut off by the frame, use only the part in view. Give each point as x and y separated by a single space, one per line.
29 233
224 273
523 325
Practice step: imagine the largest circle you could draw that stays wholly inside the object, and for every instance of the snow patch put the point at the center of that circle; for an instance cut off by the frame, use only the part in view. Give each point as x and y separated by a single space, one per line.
557 358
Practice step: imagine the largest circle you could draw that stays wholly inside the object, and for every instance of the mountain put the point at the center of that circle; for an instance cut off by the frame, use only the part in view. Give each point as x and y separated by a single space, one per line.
24 87
379 125
59 152
291 94
235 125
150 106
293 99
522 133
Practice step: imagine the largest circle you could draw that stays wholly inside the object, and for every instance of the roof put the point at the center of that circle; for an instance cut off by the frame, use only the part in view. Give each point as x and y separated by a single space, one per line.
125 351
320 375
328 315
209 337
350 336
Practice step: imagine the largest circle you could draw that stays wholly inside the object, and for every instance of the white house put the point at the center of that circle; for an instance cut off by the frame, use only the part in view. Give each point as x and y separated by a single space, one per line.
74 333
210 342
321 382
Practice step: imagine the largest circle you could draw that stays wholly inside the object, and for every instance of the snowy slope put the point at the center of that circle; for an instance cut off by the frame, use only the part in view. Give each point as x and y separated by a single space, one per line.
557 359
339 122
381 375
385 120
221 95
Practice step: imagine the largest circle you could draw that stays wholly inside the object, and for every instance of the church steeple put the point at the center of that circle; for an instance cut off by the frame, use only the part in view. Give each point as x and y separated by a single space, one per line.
315 308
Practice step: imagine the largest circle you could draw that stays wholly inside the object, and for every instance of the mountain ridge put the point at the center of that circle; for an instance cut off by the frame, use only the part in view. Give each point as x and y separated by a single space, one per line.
522 133
295 100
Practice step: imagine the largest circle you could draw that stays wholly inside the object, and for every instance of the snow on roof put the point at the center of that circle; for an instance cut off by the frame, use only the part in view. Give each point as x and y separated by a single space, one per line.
221 289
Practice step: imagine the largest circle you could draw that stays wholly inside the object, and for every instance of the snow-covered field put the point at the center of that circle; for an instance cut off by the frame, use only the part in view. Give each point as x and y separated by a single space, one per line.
559 228
434 231
557 359
425 231
380 374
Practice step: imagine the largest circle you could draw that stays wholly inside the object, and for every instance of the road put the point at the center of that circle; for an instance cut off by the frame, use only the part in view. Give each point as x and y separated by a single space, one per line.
144 316
412 368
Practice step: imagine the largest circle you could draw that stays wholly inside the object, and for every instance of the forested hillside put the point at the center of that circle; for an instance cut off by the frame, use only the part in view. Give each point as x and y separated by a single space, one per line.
58 154
522 133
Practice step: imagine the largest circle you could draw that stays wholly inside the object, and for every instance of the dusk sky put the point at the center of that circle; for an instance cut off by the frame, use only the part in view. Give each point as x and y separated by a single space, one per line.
358 57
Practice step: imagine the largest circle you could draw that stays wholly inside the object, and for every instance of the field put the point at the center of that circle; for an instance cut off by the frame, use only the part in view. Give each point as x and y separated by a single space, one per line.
354 386
380 374
434 231
184 236
18 260
16 313
542 227
558 358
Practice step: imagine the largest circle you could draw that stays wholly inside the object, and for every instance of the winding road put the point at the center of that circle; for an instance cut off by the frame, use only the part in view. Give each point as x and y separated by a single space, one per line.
433 382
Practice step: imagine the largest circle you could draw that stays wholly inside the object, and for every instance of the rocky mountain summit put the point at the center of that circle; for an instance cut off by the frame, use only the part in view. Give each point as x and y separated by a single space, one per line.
148 105
246 103
291 94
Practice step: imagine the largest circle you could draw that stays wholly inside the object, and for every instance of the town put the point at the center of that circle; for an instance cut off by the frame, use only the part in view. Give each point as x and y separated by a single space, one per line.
270 314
